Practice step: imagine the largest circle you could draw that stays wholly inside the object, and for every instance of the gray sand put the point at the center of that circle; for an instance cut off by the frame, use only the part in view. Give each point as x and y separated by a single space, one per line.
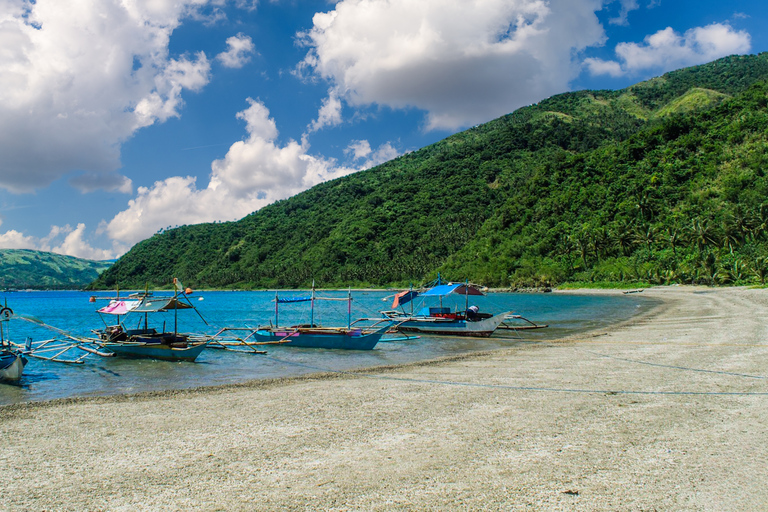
666 412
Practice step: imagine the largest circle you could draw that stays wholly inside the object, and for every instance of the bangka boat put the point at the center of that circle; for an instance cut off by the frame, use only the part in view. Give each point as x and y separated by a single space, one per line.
12 361
441 320
148 342
350 337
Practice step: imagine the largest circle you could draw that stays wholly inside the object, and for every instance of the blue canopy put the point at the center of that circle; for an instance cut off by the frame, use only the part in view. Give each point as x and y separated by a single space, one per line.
447 289
293 299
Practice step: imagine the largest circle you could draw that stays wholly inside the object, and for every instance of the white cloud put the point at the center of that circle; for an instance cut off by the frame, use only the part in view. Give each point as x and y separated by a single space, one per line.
626 7
13 239
363 154
359 149
329 113
668 50
255 172
603 67
240 49
79 78
73 243
463 62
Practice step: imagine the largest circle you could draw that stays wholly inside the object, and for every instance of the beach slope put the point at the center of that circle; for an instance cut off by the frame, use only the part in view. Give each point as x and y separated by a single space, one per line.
668 411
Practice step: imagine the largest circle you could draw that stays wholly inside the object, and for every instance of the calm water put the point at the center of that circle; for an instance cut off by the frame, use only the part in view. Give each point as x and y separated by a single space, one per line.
72 311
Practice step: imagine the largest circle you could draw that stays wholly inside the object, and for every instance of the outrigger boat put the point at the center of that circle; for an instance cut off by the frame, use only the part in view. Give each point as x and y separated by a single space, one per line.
148 342
12 361
351 337
440 319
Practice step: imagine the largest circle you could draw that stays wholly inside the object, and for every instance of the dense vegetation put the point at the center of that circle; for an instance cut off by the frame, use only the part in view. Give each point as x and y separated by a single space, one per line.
23 269
662 182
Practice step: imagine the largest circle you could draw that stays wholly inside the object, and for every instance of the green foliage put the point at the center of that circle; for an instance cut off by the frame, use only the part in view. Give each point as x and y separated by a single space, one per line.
663 182
25 269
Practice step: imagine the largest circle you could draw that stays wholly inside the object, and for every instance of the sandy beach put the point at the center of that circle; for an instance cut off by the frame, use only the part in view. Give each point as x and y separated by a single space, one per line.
668 411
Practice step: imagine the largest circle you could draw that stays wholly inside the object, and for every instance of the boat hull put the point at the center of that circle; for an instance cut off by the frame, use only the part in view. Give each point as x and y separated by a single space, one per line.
155 351
11 366
317 338
453 327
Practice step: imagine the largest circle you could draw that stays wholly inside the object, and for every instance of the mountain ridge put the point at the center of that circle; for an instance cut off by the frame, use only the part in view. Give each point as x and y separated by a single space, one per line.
583 186
28 269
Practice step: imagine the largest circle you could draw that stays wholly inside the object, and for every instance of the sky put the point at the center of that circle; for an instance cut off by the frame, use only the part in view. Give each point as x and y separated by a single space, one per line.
121 118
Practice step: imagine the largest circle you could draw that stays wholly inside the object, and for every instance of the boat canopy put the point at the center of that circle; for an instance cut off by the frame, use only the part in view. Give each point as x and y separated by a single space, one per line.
404 298
155 304
119 307
457 288
293 299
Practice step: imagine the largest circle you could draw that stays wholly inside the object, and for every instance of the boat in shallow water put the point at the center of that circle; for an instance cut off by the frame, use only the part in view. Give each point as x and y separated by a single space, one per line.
441 320
12 361
11 365
148 342
349 337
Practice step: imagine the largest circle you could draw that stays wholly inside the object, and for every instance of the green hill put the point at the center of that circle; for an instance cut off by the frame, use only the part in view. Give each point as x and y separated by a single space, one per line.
661 182
26 269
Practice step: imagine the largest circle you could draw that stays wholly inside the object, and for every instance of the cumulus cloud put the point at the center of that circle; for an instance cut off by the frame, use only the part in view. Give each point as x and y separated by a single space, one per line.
365 157
627 6
61 240
667 50
329 113
13 239
255 172
79 78
239 52
461 61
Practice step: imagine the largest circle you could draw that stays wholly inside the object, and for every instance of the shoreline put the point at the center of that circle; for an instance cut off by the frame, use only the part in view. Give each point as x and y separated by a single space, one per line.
664 410
330 373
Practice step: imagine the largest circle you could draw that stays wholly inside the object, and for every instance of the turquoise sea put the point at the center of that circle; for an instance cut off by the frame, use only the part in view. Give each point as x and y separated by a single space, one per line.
73 312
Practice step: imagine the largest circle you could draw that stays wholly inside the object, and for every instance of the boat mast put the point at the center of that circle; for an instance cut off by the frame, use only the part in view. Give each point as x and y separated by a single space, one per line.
175 308
466 294
277 310
349 307
312 306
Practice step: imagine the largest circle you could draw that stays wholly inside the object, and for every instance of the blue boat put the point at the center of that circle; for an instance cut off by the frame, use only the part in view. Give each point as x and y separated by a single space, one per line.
310 335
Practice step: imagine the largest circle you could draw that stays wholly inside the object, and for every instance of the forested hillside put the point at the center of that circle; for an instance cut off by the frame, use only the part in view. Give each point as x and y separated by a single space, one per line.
661 182
25 269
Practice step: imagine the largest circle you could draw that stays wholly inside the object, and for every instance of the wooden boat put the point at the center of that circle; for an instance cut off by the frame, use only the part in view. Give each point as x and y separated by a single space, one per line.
440 320
11 365
350 337
147 342
12 361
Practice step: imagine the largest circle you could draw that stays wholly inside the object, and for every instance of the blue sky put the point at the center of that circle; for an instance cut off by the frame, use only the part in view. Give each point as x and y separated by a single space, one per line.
122 117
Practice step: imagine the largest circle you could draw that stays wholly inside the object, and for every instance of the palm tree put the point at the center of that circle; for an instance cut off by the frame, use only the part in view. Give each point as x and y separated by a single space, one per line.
623 237
702 234
759 226
600 241
674 238
759 268
646 235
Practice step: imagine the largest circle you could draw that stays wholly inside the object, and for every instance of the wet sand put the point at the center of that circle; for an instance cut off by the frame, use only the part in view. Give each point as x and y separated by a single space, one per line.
667 411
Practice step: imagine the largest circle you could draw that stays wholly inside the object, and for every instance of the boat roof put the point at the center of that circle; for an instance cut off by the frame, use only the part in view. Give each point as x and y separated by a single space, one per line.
155 304
146 305
437 291
447 289
293 299
119 307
